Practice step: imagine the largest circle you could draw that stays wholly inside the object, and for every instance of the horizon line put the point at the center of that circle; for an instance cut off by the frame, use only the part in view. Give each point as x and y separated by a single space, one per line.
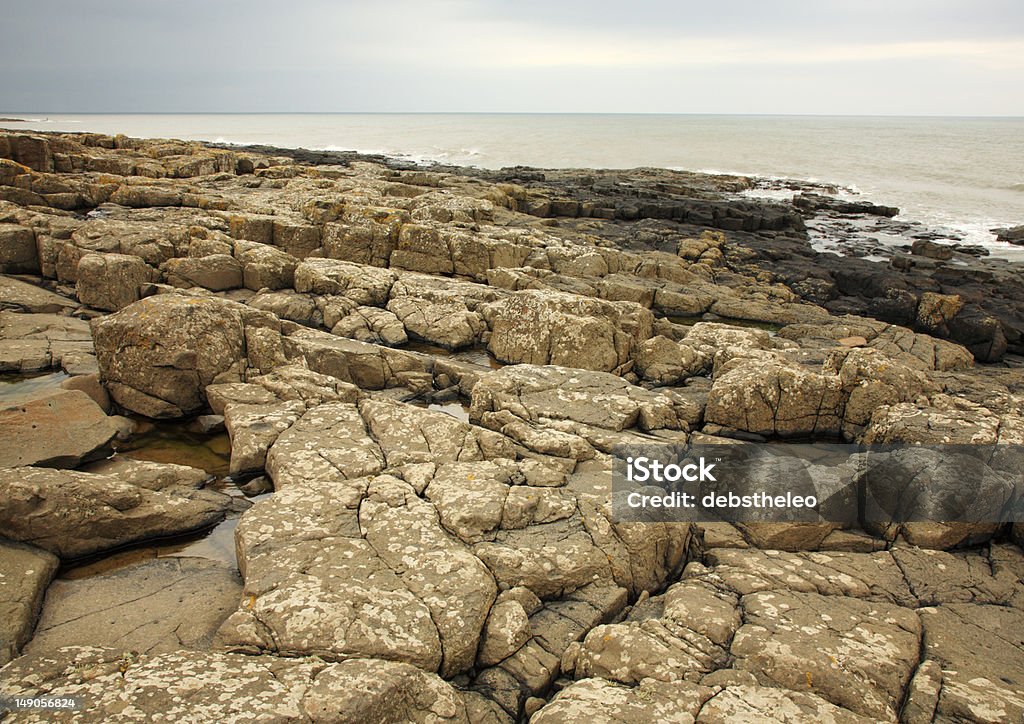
497 113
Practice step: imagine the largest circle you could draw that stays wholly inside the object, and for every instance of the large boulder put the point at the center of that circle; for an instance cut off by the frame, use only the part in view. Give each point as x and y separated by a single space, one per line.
74 514
445 323
362 284
547 327
112 281
158 355
771 397
265 266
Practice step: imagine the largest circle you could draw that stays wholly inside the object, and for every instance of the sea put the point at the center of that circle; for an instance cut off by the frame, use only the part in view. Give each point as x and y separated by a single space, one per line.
961 175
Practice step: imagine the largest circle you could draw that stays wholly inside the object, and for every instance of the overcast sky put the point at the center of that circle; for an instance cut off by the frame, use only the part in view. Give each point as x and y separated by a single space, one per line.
963 57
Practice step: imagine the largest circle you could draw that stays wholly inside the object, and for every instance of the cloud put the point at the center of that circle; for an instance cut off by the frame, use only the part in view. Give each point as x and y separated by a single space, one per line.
527 55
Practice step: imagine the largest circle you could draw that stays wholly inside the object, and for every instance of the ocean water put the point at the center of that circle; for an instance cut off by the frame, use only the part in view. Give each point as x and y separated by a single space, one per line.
961 174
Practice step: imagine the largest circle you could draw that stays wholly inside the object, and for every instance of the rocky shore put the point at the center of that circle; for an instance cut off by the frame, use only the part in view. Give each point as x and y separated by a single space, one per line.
395 391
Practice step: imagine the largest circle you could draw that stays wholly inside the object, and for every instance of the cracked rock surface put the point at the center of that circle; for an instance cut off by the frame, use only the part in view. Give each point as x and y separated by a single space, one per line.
421 375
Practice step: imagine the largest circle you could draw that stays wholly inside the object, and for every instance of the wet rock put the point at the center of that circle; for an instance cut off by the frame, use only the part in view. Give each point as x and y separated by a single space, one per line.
1013 235
159 606
25 572
58 429
74 514
112 281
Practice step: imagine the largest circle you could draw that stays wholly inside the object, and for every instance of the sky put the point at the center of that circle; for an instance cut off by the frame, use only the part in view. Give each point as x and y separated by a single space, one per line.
869 57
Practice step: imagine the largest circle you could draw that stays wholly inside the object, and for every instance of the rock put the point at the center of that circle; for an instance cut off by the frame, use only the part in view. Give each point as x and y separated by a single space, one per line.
112 281
265 266
216 272
150 475
506 630
30 342
254 428
155 607
931 250
536 327
447 324
58 429
978 652
207 424
20 296
369 366
74 514
201 341
18 253
774 398
90 385
373 325
534 393
664 362
763 703
406 592
1012 235
599 700
225 687
287 304
25 572
795 639
364 285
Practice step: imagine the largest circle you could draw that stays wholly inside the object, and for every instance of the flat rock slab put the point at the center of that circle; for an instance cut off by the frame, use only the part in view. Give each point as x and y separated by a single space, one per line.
60 429
215 687
24 574
31 342
75 514
980 655
24 297
155 607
